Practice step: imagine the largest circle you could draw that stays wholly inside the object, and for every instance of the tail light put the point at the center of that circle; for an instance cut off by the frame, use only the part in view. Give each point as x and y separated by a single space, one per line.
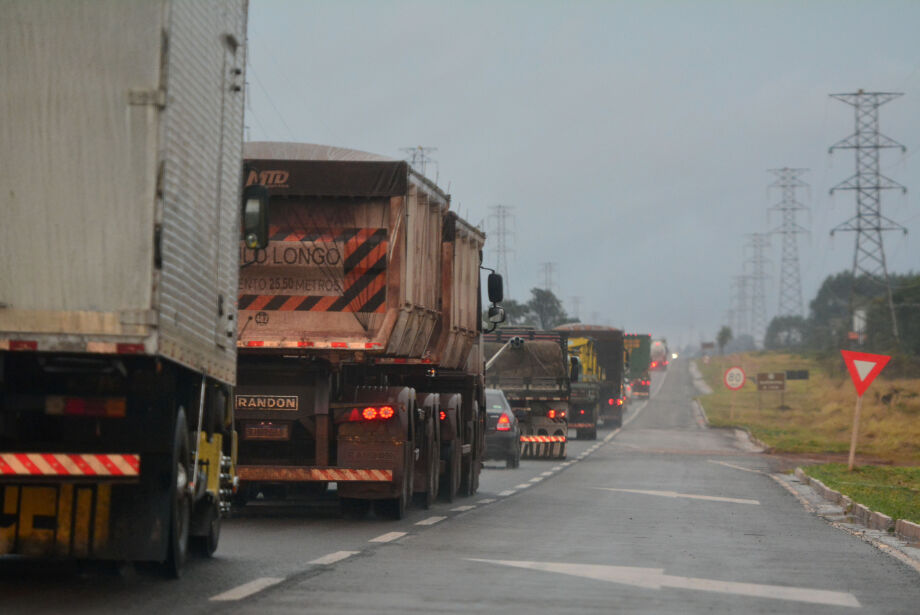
112 407
581 411
551 414
620 401
610 402
372 413
504 423
654 363
443 415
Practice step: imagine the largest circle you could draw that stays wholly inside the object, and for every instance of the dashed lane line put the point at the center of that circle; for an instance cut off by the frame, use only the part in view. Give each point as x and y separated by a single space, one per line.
486 501
246 589
556 468
689 496
507 492
430 520
463 508
388 537
522 486
535 479
547 473
332 558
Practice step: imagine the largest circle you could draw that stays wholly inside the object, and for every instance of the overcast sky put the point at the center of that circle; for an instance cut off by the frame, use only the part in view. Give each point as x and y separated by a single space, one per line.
632 139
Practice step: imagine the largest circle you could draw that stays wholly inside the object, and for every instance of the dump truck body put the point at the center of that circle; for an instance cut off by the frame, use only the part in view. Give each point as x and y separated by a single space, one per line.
366 297
120 162
533 371
638 353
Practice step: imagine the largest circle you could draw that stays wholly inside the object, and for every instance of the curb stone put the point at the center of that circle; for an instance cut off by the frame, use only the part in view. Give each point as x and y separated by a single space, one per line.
906 530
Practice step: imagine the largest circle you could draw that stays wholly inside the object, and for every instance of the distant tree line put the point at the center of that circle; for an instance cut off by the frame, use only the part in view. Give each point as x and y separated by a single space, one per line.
542 311
829 321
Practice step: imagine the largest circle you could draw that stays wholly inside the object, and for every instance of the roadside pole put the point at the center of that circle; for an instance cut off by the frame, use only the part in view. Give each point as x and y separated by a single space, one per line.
734 379
863 368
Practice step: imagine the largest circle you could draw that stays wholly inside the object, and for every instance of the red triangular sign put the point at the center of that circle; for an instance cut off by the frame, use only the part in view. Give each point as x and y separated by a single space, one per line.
864 367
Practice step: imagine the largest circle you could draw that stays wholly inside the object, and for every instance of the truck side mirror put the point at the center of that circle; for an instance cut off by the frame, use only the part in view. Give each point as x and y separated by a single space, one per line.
496 293
255 217
496 314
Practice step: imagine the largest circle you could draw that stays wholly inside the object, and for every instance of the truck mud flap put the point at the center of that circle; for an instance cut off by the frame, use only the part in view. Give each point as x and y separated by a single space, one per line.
64 520
543 447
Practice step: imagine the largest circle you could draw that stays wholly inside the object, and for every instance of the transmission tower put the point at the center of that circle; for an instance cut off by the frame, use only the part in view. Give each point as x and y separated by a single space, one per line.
576 307
548 271
501 236
759 242
419 158
741 305
790 280
868 182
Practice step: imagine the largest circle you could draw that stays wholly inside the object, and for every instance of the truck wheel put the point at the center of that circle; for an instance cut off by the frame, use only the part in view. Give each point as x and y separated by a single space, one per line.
180 508
432 452
354 509
395 508
205 545
450 482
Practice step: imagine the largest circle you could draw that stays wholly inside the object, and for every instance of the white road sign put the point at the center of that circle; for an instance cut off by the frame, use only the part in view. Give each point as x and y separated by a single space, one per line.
734 378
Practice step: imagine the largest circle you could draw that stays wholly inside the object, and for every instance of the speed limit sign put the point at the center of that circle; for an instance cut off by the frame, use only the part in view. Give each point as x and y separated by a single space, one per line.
734 378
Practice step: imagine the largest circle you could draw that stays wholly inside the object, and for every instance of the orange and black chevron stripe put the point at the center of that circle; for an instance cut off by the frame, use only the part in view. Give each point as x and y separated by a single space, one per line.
364 284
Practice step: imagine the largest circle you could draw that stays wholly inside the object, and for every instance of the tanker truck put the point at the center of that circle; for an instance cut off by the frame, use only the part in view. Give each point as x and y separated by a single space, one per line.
120 181
360 360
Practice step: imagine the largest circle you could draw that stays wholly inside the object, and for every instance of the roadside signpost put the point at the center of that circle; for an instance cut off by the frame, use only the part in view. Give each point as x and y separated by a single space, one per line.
734 379
863 368
771 381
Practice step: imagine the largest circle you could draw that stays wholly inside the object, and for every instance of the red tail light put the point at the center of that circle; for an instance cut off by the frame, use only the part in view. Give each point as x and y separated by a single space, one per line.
581 411
654 363
504 423
610 402
371 413
443 415
112 407
619 402
551 414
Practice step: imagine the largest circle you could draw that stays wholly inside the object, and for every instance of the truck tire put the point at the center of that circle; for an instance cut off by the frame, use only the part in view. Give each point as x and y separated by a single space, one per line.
180 506
395 508
206 544
433 459
450 482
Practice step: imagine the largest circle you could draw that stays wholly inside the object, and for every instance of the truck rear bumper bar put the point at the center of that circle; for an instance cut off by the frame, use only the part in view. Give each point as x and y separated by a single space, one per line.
302 474
581 425
543 439
70 465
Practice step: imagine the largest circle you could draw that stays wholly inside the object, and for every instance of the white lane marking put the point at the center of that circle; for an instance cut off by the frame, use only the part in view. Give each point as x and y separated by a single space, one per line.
690 496
507 492
548 473
332 558
486 501
654 578
731 465
556 468
522 486
535 479
388 537
430 520
463 508
246 589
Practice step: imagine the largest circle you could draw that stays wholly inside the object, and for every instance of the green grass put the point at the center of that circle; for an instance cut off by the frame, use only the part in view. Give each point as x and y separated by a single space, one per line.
890 490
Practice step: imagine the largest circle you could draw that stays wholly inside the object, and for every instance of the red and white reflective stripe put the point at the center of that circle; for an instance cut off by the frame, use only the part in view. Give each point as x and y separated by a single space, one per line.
347 475
310 344
543 438
69 464
580 425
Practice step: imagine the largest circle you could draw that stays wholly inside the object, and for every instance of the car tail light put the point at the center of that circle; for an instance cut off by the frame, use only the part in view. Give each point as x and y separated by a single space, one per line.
504 423
443 415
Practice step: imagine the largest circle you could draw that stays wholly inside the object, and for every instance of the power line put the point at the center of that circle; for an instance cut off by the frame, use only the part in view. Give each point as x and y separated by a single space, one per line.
790 278
868 183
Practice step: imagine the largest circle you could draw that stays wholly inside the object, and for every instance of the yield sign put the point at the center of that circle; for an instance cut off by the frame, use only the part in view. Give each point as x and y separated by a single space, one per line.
864 367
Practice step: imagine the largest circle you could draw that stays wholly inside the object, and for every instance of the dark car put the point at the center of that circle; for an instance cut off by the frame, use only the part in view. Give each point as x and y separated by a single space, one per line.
503 433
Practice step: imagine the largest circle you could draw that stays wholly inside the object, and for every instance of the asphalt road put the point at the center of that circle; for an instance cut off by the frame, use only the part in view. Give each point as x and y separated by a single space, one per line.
662 516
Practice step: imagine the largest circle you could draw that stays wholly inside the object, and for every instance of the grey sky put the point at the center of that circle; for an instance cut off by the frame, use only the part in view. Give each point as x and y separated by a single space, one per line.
632 138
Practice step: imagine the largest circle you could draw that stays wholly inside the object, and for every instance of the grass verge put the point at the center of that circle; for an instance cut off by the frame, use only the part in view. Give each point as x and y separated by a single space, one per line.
890 490
817 413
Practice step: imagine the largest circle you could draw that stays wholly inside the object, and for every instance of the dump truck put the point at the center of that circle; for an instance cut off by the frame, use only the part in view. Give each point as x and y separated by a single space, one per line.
659 355
532 368
585 398
638 361
120 186
360 361
608 372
